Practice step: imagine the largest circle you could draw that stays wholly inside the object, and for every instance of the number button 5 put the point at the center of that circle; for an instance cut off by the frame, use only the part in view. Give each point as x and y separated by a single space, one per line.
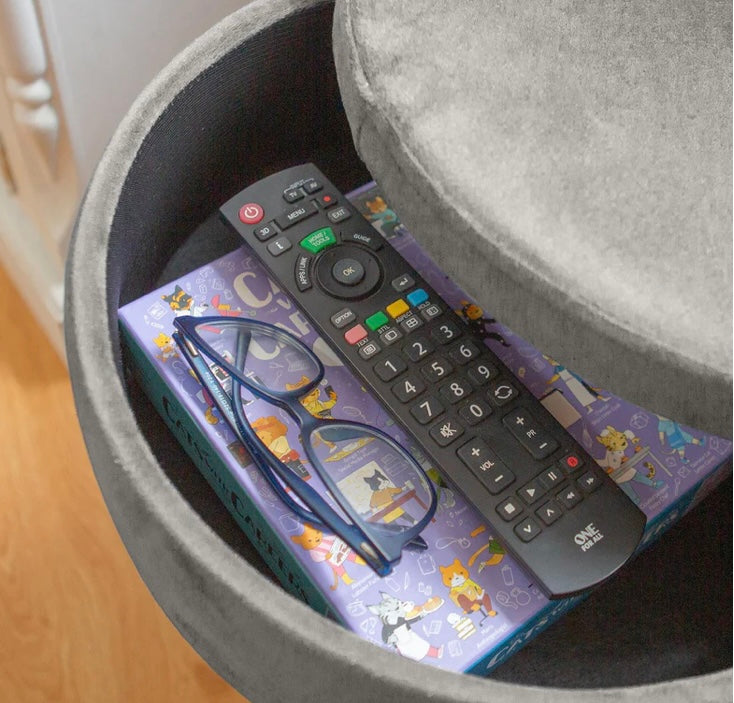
437 369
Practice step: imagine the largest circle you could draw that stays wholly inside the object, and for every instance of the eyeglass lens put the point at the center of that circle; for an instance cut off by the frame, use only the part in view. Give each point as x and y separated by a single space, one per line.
373 475
269 360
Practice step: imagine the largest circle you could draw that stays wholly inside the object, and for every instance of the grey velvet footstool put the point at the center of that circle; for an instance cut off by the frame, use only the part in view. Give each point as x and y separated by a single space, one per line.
255 94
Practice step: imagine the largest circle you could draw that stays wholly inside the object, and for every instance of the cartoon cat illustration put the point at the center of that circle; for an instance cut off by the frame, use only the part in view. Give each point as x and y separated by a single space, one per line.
384 218
467 594
474 317
166 346
183 304
329 549
179 300
396 617
616 462
273 432
384 492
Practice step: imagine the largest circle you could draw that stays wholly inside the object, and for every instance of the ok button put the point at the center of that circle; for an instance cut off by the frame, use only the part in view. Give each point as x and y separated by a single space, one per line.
348 272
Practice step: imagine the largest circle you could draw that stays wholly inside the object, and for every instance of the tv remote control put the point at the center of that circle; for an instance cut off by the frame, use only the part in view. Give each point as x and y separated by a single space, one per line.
544 497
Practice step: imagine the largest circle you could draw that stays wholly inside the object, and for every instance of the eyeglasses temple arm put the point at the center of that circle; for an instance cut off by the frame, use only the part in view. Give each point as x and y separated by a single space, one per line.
222 401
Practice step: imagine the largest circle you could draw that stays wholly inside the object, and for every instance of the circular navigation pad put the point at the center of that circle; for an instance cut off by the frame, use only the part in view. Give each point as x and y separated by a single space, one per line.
348 272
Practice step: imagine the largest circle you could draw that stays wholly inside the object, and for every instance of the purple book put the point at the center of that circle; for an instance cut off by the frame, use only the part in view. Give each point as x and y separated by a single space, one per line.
462 604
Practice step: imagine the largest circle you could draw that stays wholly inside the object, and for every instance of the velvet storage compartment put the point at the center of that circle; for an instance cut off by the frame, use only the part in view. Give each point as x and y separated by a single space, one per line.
258 93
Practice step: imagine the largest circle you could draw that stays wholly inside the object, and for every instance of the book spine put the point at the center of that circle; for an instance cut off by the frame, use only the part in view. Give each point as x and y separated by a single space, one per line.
232 495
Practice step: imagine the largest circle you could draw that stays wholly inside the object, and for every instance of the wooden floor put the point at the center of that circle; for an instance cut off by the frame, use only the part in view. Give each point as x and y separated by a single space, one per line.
77 624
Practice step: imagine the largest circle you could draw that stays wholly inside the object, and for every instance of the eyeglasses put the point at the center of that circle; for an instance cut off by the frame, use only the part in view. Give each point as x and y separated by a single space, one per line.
378 499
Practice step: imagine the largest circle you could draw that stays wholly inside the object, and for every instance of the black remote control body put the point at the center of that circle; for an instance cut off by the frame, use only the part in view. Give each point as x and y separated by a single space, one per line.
545 498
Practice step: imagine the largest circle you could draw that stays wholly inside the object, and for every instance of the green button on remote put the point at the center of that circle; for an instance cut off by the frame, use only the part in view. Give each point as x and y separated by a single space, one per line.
376 321
318 240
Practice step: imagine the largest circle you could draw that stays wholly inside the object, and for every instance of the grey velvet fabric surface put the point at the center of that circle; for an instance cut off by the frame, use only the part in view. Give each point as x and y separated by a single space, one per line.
569 163
222 102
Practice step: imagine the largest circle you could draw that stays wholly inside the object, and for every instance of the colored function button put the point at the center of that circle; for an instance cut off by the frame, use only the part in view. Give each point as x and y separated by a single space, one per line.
251 213
377 320
571 463
318 240
326 200
397 308
355 334
417 296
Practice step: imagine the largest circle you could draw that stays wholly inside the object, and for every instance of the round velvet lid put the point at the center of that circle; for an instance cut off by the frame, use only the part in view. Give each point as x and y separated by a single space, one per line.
569 164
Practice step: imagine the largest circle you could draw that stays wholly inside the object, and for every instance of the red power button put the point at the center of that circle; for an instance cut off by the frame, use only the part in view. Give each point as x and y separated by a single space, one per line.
251 213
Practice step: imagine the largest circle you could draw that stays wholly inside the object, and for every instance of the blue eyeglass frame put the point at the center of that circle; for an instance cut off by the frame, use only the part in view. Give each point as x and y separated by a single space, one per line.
373 542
